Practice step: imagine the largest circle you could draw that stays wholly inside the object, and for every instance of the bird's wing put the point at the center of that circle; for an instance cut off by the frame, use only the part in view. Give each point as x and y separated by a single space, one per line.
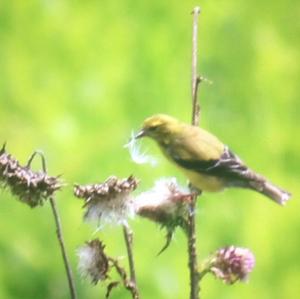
228 166
194 143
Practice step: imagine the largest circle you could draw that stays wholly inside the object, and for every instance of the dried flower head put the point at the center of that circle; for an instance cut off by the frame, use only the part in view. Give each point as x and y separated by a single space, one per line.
136 154
29 186
231 264
93 262
110 201
166 203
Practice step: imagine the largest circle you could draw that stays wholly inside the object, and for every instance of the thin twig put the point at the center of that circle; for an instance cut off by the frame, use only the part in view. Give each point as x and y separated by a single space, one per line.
203 273
128 241
196 79
192 249
63 249
43 160
196 107
58 229
128 284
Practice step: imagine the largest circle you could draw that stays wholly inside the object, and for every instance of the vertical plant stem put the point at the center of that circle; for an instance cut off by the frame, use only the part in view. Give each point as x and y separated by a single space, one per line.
128 242
63 249
58 230
196 79
192 248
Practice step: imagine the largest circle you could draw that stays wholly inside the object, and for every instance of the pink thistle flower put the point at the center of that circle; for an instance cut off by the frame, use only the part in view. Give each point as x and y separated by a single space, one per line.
231 264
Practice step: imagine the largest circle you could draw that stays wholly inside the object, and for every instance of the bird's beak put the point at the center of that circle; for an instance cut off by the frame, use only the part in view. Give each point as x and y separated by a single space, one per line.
140 134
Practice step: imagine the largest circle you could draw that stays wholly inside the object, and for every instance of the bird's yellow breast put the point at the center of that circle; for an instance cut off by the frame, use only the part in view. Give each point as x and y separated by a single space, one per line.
204 182
201 181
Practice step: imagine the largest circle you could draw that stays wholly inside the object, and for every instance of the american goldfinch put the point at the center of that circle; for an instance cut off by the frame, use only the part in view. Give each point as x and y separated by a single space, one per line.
208 163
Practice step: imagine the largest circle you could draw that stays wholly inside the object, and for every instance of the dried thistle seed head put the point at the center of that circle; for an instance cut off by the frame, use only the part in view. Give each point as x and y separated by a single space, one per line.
7 164
31 187
231 264
110 201
165 203
93 262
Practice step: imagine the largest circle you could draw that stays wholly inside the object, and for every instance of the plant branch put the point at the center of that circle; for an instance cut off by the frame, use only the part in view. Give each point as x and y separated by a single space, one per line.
63 249
128 241
43 160
196 79
128 284
58 229
192 252
192 248
203 273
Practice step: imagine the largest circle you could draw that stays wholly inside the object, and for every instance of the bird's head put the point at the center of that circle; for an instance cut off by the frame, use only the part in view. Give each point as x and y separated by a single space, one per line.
159 127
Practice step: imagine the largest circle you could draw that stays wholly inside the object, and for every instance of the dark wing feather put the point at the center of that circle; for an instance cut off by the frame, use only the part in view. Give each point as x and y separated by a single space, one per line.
228 167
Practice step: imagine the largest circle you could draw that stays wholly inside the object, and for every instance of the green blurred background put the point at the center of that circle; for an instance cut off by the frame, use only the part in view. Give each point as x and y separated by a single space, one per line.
78 76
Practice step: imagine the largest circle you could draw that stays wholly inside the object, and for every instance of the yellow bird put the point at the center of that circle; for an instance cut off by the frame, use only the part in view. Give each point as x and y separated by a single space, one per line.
204 159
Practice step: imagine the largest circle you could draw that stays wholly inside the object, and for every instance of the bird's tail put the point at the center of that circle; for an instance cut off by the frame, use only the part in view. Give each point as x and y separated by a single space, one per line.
268 189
